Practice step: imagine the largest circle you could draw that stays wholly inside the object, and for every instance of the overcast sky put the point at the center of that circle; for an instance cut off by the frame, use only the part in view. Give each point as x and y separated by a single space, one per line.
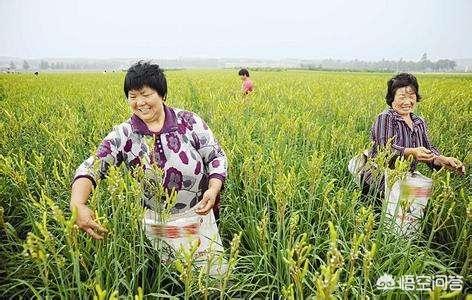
367 30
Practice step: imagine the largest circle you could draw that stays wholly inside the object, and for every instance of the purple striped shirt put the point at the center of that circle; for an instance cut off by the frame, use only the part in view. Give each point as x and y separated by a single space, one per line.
390 125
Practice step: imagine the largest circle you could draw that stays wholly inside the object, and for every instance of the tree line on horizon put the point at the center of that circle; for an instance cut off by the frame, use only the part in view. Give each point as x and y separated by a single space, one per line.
422 65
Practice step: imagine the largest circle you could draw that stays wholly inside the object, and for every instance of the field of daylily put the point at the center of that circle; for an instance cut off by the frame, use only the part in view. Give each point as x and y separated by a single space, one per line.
293 221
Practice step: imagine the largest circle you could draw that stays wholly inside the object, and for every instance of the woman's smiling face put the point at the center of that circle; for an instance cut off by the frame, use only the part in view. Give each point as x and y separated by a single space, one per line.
404 101
146 104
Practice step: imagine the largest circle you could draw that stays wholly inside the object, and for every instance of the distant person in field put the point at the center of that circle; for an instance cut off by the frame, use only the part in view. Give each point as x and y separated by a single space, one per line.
247 86
174 140
406 131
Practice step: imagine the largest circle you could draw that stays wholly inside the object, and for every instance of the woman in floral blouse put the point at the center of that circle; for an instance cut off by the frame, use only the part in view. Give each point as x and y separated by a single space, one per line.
177 141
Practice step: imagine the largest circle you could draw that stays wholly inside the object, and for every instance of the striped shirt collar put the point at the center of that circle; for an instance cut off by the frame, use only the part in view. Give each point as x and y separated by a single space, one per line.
416 120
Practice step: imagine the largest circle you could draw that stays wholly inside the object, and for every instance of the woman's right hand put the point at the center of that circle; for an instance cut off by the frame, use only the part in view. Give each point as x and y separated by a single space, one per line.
81 189
450 163
420 154
85 220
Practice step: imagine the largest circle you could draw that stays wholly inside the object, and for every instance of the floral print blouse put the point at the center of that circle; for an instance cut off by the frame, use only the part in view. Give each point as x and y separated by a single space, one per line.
185 149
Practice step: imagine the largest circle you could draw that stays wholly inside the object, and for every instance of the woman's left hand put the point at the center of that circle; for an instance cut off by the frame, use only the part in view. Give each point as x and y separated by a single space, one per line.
207 202
450 163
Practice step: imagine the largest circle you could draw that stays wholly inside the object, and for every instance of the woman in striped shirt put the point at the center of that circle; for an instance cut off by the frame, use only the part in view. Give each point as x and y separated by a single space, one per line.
404 132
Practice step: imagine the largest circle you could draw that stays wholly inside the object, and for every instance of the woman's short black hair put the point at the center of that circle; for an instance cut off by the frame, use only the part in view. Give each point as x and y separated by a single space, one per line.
145 73
243 72
399 81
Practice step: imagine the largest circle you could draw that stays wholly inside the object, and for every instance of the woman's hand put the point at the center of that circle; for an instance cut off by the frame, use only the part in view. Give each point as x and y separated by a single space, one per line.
85 221
450 163
208 200
420 154
209 197
81 190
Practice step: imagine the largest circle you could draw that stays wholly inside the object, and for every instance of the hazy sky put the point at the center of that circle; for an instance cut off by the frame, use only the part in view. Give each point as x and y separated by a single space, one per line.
372 29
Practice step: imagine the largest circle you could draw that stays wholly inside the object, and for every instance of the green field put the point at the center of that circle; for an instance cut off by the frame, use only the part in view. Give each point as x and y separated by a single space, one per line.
288 146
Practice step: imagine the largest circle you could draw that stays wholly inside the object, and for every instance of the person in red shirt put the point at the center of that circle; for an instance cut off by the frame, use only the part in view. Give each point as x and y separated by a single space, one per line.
247 86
